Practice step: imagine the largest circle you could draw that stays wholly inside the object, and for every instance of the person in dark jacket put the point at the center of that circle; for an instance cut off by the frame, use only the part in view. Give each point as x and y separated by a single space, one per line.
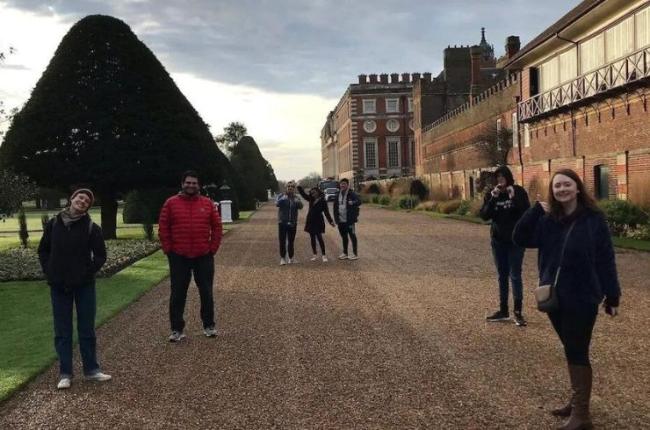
190 232
588 275
504 205
315 225
288 206
71 252
346 215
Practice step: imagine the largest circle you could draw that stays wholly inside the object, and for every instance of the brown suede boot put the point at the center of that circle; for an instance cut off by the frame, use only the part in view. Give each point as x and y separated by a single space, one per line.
581 381
565 411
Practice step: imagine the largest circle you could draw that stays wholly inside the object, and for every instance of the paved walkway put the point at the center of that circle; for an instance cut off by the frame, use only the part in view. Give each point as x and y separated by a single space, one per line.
396 339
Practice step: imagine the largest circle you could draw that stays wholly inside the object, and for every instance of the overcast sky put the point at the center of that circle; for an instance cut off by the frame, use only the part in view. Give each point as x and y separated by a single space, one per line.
278 66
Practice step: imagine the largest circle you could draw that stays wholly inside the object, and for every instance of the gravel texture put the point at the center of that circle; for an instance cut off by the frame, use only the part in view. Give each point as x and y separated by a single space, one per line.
397 339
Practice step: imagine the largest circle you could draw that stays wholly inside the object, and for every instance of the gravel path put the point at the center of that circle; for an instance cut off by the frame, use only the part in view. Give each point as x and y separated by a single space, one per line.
396 339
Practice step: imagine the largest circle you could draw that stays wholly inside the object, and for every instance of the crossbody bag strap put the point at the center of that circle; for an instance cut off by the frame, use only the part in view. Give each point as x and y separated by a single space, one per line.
566 239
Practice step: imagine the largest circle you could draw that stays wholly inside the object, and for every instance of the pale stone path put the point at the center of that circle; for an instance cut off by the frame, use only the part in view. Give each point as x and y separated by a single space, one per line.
396 339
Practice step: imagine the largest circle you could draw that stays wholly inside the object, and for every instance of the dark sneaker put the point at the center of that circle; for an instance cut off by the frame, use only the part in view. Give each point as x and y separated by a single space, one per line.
519 320
498 316
176 336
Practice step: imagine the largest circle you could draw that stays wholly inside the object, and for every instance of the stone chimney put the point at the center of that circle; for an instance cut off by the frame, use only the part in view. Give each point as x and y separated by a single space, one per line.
362 79
512 46
383 78
394 78
373 78
475 53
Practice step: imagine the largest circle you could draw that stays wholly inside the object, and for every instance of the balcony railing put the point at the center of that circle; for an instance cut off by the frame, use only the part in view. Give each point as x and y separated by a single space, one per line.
633 68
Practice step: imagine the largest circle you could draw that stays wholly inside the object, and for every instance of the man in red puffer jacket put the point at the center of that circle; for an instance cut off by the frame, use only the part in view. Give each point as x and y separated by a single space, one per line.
190 233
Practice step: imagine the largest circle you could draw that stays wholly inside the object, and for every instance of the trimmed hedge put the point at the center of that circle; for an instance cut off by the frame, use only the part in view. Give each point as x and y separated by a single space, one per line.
621 213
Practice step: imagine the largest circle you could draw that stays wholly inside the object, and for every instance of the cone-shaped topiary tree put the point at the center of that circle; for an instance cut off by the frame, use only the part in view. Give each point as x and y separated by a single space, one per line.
107 114
255 174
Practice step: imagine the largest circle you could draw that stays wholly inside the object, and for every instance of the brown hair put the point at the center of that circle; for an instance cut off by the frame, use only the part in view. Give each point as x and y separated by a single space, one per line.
585 201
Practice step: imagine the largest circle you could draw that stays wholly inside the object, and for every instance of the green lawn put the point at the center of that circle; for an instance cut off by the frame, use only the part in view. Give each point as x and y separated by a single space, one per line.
27 345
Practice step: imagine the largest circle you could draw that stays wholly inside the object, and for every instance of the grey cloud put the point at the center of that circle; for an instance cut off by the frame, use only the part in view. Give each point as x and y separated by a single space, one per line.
313 47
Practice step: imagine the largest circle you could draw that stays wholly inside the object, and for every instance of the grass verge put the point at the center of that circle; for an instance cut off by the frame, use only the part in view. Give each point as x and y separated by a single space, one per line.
27 348
627 243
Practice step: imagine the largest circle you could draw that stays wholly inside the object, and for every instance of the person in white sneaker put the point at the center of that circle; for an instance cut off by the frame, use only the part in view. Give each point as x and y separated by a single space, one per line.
346 215
288 204
315 225
71 252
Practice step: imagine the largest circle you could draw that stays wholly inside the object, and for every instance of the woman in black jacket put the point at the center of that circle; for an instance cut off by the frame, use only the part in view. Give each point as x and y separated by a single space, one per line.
504 205
71 251
588 273
315 225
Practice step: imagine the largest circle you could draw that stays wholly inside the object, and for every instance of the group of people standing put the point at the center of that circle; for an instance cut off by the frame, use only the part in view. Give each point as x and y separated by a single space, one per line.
575 257
346 215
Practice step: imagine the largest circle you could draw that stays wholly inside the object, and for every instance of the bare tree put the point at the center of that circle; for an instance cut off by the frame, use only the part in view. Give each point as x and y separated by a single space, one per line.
495 144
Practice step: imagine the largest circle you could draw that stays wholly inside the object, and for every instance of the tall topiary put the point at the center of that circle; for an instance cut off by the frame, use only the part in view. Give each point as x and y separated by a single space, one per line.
254 174
107 114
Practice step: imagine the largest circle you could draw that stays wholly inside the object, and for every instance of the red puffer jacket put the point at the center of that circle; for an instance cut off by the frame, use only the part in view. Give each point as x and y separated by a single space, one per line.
189 226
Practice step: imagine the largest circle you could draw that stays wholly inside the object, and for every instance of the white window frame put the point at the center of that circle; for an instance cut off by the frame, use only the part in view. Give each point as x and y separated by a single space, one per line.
515 130
366 106
390 101
410 103
526 135
392 121
366 142
372 126
397 141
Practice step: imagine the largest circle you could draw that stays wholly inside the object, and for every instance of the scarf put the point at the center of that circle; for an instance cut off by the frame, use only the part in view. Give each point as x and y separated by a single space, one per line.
68 217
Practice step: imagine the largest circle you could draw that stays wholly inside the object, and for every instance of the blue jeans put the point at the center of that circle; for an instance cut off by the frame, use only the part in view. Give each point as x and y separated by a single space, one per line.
62 304
508 258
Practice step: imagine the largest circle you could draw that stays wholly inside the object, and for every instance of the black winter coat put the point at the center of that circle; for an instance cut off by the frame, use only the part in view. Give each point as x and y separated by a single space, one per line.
317 208
504 212
589 266
70 256
352 209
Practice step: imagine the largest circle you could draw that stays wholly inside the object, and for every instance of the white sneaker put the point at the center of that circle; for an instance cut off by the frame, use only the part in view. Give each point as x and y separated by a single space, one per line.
98 377
343 256
353 257
283 262
176 336
325 260
210 332
293 261
64 383
314 258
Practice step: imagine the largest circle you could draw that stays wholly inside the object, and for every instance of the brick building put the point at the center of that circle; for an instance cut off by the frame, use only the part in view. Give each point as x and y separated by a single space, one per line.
575 96
370 133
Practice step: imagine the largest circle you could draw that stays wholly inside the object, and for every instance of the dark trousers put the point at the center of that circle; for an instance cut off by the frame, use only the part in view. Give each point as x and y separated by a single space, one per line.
63 302
321 242
508 259
347 229
287 236
574 326
180 271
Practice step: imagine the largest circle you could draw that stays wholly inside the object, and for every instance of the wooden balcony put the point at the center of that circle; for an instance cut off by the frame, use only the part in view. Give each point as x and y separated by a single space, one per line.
616 77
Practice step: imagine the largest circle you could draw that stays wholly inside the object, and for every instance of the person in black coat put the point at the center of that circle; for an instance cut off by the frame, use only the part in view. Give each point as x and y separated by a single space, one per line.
504 205
346 215
587 275
71 252
315 225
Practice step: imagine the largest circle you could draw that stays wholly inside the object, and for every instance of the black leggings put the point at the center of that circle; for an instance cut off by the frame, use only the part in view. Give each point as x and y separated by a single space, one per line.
346 229
321 242
574 326
287 235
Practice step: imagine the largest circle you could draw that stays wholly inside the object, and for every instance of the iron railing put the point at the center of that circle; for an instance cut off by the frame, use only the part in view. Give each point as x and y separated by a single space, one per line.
615 75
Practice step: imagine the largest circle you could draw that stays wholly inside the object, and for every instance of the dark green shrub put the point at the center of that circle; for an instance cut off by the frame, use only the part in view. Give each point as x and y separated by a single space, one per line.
449 206
366 198
408 202
148 231
464 207
419 189
143 206
23 233
621 213
375 199
373 189
384 200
